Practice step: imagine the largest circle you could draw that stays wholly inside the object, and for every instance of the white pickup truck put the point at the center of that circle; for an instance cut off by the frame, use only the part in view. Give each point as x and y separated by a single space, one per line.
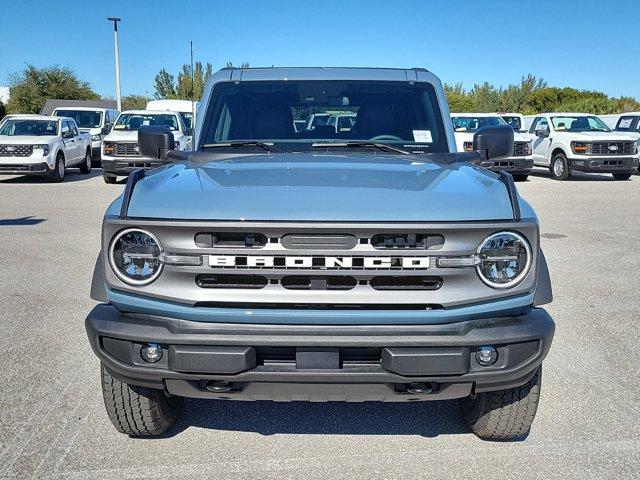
120 153
564 142
43 145
519 164
514 120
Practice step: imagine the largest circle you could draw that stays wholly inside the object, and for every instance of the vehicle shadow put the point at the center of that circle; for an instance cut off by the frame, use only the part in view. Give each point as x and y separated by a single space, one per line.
426 419
22 221
579 176
72 175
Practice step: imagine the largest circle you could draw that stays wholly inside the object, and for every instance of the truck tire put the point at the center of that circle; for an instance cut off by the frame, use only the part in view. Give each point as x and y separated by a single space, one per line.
520 177
503 414
109 178
559 167
85 166
138 411
57 174
621 176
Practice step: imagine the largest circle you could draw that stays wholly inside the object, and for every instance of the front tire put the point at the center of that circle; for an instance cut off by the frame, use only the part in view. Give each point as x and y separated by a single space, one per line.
560 167
138 411
108 178
503 414
85 167
57 174
621 176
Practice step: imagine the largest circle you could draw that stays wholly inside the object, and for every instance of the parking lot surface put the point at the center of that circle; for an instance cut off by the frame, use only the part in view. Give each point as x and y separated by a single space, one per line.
54 424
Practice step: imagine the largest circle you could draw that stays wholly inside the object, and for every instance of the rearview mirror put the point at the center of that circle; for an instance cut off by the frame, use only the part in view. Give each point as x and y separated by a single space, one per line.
496 141
155 141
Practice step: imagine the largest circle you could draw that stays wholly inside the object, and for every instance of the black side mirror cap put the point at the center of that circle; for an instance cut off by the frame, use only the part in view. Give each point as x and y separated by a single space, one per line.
542 132
188 132
495 141
106 130
155 141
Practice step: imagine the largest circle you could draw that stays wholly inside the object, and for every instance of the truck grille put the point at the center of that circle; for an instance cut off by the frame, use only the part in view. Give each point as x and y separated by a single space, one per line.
612 148
127 149
16 150
521 149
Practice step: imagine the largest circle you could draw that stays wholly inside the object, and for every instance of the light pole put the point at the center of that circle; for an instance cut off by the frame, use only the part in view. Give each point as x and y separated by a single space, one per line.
115 21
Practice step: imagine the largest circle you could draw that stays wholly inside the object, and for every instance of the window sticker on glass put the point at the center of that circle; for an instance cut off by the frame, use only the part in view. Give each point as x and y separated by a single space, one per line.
422 136
625 123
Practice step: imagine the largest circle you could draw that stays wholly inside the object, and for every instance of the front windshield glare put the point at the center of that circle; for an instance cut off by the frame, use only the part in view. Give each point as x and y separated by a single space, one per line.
133 121
83 118
471 124
579 124
37 128
294 115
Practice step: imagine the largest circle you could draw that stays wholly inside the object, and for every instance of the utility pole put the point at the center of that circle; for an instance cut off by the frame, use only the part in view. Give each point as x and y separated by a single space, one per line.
115 21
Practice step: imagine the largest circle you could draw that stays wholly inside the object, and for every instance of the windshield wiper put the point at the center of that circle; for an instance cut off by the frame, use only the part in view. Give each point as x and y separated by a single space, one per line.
380 146
264 146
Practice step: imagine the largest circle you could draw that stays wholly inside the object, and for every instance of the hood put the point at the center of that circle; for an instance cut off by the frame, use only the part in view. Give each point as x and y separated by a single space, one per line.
603 136
321 187
122 135
25 139
91 131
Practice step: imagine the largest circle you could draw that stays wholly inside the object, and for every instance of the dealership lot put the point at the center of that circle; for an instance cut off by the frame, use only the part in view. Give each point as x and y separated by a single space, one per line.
54 423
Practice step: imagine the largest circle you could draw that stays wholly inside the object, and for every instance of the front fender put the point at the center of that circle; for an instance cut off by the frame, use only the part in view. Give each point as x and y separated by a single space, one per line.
544 292
98 291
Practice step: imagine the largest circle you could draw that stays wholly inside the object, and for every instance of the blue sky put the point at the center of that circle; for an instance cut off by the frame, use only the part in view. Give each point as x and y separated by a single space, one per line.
570 43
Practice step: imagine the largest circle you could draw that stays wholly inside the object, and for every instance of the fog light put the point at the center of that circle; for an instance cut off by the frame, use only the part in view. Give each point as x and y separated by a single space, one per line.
487 356
151 352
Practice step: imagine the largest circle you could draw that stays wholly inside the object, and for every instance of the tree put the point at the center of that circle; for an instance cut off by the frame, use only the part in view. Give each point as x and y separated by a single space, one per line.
134 102
33 86
166 86
242 65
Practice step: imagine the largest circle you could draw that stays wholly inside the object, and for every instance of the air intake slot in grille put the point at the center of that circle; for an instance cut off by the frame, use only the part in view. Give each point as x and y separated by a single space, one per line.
319 242
406 283
612 148
231 281
303 282
230 239
127 149
421 241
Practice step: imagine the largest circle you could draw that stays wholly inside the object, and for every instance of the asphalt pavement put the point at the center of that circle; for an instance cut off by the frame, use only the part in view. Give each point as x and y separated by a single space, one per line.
53 423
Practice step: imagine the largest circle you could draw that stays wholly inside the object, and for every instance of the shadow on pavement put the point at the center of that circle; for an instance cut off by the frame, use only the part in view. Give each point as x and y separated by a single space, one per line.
579 176
72 175
427 419
22 221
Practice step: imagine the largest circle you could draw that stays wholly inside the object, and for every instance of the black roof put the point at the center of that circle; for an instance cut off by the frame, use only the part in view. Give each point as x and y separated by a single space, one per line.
52 104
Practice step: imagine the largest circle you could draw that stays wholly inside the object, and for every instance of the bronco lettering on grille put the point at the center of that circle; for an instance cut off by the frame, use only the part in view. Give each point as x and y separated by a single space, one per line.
317 262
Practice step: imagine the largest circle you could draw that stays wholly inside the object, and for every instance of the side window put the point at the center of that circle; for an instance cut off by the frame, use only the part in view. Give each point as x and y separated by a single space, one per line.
538 123
224 125
65 129
625 124
74 128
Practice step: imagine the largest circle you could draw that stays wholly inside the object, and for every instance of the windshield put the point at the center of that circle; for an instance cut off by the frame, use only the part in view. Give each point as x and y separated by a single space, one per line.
187 119
513 122
133 121
471 124
83 118
294 115
38 128
579 124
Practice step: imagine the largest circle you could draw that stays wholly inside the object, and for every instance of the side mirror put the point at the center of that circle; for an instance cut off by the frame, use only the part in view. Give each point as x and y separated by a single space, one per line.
67 134
105 130
496 141
188 132
542 131
155 141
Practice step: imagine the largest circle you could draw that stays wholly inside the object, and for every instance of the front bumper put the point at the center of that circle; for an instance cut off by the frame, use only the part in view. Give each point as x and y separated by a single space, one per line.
320 362
41 168
513 165
124 166
604 164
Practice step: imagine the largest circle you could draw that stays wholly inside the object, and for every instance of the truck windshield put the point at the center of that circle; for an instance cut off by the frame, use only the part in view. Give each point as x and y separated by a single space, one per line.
83 118
579 124
133 121
295 115
471 124
513 122
38 128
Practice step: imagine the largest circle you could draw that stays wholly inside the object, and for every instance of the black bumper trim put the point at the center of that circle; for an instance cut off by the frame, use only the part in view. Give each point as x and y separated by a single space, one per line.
25 169
535 327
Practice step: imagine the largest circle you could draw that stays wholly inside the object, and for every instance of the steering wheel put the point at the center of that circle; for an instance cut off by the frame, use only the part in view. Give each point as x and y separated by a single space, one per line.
382 138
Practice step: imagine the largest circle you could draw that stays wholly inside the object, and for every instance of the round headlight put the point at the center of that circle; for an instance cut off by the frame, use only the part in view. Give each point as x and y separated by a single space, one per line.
134 256
505 259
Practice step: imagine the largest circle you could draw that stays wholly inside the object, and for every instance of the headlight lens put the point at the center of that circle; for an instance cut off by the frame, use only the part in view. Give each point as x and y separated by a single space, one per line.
134 256
45 149
96 138
580 148
108 148
505 259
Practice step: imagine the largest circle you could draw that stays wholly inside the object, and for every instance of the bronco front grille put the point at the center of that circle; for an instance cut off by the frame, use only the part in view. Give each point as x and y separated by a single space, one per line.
612 148
16 150
126 149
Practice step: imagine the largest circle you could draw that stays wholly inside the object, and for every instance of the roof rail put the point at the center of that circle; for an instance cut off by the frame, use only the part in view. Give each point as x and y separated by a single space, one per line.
134 177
